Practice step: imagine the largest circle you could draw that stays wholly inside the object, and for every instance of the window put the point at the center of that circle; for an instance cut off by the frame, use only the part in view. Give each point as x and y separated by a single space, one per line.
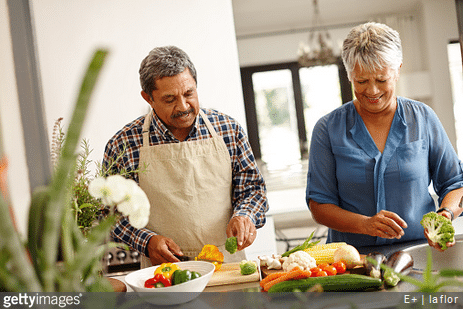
455 67
276 115
283 103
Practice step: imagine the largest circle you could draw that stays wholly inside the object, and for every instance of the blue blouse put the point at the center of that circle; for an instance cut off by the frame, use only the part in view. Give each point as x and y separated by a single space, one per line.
347 169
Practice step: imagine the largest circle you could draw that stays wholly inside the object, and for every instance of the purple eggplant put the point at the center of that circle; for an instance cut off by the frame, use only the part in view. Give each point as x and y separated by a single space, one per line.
373 268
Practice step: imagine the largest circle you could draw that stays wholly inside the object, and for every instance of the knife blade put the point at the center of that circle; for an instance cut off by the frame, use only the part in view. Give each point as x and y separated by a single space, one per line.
184 258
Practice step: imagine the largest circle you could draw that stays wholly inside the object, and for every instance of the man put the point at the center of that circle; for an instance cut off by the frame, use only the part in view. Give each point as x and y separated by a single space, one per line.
200 177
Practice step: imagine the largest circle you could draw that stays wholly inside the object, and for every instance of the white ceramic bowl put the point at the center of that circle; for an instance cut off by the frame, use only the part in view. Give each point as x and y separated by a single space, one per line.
175 294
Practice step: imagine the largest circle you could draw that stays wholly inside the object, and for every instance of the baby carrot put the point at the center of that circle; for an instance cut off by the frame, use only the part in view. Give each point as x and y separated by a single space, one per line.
294 273
271 277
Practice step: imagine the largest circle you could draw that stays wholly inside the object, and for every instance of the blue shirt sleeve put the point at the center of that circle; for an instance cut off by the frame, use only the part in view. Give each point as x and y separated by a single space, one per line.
445 167
321 180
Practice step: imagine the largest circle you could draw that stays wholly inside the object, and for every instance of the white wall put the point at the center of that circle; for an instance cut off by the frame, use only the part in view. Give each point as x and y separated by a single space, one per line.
425 33
67 32
10 125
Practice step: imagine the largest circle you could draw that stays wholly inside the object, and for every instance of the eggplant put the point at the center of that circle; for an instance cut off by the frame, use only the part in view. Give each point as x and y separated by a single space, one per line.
373 268
400 262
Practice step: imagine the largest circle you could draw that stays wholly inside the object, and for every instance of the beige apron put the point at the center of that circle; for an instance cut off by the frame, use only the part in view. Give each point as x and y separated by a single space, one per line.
189 185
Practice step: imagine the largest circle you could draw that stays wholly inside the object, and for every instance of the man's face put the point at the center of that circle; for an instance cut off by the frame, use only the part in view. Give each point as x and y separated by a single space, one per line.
176 102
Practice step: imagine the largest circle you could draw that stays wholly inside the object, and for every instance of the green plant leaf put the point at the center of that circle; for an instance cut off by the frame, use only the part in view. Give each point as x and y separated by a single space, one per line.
25 277
85 205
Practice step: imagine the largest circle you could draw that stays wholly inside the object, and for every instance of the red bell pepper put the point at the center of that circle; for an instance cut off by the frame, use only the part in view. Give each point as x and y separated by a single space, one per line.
159 281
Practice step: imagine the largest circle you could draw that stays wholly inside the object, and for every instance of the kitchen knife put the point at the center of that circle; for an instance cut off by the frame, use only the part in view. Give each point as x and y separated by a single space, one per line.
184 258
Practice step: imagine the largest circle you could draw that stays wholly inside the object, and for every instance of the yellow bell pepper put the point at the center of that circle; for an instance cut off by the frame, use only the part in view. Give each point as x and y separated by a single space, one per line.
212 253
166 269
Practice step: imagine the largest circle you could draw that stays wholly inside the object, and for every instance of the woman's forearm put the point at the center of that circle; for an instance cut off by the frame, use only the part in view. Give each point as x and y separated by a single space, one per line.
385 224
453 201
337 218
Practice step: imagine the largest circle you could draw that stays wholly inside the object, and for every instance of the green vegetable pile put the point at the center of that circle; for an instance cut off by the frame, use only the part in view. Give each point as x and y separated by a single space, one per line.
439 229
248 267
231 244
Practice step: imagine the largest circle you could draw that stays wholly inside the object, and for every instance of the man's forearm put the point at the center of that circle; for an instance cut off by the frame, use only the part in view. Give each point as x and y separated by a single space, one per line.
137 239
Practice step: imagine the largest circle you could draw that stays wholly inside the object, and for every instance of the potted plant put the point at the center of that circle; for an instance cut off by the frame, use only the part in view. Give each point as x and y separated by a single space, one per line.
52 227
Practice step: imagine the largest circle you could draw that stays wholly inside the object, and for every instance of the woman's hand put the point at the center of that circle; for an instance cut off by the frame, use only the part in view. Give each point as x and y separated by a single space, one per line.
385 224
435 244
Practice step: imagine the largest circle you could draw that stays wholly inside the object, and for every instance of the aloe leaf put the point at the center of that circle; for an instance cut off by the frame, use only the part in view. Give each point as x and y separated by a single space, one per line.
427 274
40 197
25 276
95 238
450 273
63 178
448 283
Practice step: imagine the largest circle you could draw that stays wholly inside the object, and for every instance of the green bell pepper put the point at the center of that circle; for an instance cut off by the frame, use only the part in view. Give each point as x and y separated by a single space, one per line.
181 276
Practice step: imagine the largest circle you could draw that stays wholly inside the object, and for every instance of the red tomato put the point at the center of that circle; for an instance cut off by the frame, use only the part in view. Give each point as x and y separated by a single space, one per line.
340 266
314 271
322 265
330 270
321 274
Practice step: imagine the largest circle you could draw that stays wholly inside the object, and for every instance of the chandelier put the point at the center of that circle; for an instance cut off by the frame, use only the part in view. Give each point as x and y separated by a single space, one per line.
318 50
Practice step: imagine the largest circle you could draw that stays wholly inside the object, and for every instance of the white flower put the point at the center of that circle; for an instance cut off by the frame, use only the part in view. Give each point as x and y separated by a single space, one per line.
128 197
119 187
133 200
139 218
107 190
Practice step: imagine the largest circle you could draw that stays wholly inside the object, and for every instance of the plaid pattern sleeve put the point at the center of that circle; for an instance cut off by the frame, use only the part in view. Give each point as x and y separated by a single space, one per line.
249 190
137 239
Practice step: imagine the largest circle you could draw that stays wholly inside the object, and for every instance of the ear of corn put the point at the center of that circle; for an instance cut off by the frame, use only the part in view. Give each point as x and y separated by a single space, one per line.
332 245
324 253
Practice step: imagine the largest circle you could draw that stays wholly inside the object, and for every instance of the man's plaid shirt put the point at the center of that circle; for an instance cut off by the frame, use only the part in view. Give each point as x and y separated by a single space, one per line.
249 190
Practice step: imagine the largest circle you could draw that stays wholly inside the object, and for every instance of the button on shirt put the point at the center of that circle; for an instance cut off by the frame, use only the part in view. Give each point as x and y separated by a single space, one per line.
249 191
347 169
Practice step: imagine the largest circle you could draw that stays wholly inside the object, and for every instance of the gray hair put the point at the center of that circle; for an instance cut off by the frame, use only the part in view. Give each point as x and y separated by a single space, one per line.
373 46
162 62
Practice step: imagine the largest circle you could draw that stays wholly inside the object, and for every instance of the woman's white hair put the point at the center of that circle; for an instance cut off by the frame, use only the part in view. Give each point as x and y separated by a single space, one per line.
372 46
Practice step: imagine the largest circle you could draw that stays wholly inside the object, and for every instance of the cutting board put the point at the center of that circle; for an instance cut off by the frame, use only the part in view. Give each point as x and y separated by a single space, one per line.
230 274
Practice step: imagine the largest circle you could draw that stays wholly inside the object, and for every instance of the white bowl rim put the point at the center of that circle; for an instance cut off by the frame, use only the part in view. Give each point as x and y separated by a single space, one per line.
166 289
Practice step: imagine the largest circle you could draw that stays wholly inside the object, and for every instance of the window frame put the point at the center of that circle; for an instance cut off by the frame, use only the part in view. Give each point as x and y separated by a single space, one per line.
250 104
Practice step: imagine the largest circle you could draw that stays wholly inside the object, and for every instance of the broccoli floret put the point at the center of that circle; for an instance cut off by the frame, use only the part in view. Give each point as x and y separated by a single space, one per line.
248 267
439 229
231 244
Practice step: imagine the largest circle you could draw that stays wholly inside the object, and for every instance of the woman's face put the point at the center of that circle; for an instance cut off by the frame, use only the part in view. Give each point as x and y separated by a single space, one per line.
375 91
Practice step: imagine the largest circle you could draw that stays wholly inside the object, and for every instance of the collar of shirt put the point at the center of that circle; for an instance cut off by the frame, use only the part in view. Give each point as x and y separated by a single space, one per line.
158 127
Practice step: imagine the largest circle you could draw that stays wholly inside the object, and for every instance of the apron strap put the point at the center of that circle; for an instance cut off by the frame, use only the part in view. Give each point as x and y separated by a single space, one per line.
146 129
208 124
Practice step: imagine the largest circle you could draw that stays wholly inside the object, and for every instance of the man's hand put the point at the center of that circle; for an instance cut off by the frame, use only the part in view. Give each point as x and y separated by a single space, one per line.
242 228
385 224
162 249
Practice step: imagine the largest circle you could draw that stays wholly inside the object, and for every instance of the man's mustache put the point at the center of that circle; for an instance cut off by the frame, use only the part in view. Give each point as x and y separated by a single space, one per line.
183 113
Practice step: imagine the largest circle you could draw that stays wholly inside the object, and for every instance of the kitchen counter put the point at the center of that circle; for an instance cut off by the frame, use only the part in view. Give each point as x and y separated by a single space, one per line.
386 250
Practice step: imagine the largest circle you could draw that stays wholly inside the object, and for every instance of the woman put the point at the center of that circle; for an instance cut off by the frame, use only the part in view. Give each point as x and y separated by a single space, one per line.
372 160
